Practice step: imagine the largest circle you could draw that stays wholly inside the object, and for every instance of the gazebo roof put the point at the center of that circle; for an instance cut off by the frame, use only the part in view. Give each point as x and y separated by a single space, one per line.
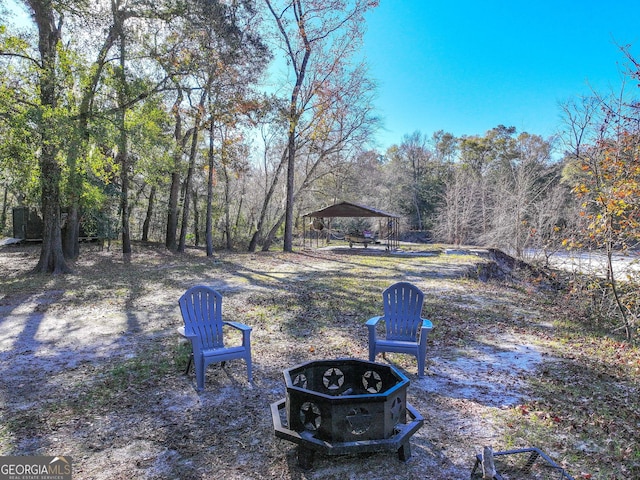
346 209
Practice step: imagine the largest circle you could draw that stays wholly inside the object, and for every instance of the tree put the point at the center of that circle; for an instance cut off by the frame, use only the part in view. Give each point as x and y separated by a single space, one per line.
151 142
270 122
520 186
459 212
339 126
445 146
499 192
193 151
122 154
80 117
233 165
19 177
318 37
360 179
419 178
49 24
606 149
215 58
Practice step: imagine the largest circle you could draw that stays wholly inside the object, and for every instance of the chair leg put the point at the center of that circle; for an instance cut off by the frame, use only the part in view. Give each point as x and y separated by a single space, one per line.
421 363
249 370
186 372
200 371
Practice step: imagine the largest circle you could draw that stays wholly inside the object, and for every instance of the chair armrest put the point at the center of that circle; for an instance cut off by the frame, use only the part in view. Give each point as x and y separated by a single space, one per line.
238 326
372 333
185 334
246 333
194 338
424 332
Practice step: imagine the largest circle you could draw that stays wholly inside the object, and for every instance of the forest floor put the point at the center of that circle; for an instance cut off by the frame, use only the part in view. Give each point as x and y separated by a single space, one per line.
91 365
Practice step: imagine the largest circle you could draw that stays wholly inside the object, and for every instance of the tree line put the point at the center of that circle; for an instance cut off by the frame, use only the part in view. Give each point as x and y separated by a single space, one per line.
220 123
153 113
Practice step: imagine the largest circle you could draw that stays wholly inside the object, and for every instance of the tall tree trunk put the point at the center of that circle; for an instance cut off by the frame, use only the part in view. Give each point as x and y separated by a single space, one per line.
294 114
291 161
236 224
51 255
187 187
210 180
149 215
125 211
174 191
193 153
71 230
196 219
305 184
172 214
227 204
123 153
3 216
269 239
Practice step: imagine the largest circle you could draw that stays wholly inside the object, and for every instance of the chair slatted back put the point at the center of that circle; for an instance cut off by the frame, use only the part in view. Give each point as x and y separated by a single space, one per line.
201 309
402 311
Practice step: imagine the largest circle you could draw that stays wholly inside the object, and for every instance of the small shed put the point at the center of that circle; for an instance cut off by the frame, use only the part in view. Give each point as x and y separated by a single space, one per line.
27 224
321 222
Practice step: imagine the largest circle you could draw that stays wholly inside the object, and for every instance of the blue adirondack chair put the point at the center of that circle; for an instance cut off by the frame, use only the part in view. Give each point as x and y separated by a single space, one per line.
201 309
405 330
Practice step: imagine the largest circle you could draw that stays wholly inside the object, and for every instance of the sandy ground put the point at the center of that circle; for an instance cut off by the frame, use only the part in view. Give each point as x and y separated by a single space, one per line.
55 347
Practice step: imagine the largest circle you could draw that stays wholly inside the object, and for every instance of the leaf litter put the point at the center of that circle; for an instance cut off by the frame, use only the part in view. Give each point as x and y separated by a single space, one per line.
92 367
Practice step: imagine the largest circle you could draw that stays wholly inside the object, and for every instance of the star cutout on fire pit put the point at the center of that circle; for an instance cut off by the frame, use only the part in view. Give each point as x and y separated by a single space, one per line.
310 416
359 420
300 380
333 378
396 409
372 382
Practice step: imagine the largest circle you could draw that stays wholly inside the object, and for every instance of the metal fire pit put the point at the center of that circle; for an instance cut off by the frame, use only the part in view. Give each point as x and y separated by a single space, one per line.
345 406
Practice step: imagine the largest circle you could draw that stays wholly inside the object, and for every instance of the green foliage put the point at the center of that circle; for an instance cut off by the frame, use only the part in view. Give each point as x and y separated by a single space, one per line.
151 143
416 176
18 156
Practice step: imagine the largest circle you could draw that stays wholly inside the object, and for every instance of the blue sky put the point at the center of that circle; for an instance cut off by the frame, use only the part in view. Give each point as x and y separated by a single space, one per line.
466 66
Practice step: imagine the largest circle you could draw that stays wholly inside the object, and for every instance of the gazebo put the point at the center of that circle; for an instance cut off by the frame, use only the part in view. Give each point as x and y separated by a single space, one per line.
388 222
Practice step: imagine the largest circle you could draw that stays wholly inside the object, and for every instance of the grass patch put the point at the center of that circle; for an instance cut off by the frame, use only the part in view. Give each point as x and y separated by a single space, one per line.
119 383
587 405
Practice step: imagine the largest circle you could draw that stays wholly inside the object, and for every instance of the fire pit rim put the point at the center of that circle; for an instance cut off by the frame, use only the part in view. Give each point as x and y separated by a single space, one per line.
403 380
363 397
